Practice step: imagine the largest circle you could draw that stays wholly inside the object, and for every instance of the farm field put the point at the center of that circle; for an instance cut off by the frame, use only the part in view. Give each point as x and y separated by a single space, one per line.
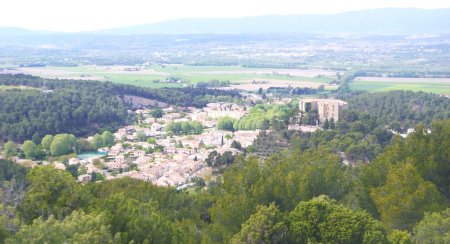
377 84
145 76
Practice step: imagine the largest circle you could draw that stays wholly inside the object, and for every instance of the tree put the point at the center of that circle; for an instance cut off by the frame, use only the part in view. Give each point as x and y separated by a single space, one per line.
140 135
96 176
78 227
47 141
433 228
9 149
85 145
260 91
4 233
184 128
108 138
226 123
400 237
57 148
322 220
73 169
405 197
151 140
237 145
137 222
321 88
267 225
97 141
51 192
326 125
63 144
332 124
29 149
157 113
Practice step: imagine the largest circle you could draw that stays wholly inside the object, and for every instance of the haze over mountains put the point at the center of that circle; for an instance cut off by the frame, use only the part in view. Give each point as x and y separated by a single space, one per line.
364 22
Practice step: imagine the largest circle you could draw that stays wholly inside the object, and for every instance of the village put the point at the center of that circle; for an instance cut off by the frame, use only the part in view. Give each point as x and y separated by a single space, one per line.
146 151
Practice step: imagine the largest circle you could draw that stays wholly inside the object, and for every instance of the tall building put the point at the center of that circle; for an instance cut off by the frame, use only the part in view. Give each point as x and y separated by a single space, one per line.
326 108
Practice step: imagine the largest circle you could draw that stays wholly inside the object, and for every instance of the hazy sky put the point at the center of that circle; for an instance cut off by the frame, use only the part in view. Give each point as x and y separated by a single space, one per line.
81 15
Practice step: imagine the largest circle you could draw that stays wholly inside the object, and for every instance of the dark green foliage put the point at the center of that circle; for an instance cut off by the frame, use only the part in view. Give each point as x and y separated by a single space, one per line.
226 123
405 197
78 227
267 225
51 192
73 170
285 179
404 107
10 170
157 113
137 221
322 220
236 145
216 159
25 113
434 228
409 178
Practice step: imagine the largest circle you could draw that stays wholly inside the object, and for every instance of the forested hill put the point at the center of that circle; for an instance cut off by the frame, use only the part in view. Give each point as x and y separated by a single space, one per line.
188 97
400 108
31 107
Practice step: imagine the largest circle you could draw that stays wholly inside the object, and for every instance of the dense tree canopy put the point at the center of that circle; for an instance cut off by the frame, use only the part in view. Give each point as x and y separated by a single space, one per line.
51 192
434 228
263 117
404 107
322 220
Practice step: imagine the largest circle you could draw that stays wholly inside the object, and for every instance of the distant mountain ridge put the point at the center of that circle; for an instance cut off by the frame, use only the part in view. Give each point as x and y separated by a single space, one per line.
374 21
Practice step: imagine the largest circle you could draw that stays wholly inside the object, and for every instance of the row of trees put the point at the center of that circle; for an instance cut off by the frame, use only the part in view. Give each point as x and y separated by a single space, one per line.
261 117
58 145
184 128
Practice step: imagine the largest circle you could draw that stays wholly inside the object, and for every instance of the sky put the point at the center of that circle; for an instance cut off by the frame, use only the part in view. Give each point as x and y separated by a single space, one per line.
88 15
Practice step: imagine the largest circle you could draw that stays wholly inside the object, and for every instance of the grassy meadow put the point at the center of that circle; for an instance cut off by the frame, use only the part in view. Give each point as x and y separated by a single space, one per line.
146 76
434 85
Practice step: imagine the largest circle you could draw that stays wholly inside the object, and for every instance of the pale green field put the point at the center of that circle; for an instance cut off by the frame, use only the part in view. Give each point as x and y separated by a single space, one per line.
191 74
433 85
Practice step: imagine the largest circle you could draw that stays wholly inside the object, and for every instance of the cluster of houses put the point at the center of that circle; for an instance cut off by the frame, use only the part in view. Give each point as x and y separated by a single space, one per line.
167 160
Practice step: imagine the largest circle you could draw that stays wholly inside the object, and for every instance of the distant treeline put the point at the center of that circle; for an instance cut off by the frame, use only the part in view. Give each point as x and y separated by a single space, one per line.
403 74
212 83
294 90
